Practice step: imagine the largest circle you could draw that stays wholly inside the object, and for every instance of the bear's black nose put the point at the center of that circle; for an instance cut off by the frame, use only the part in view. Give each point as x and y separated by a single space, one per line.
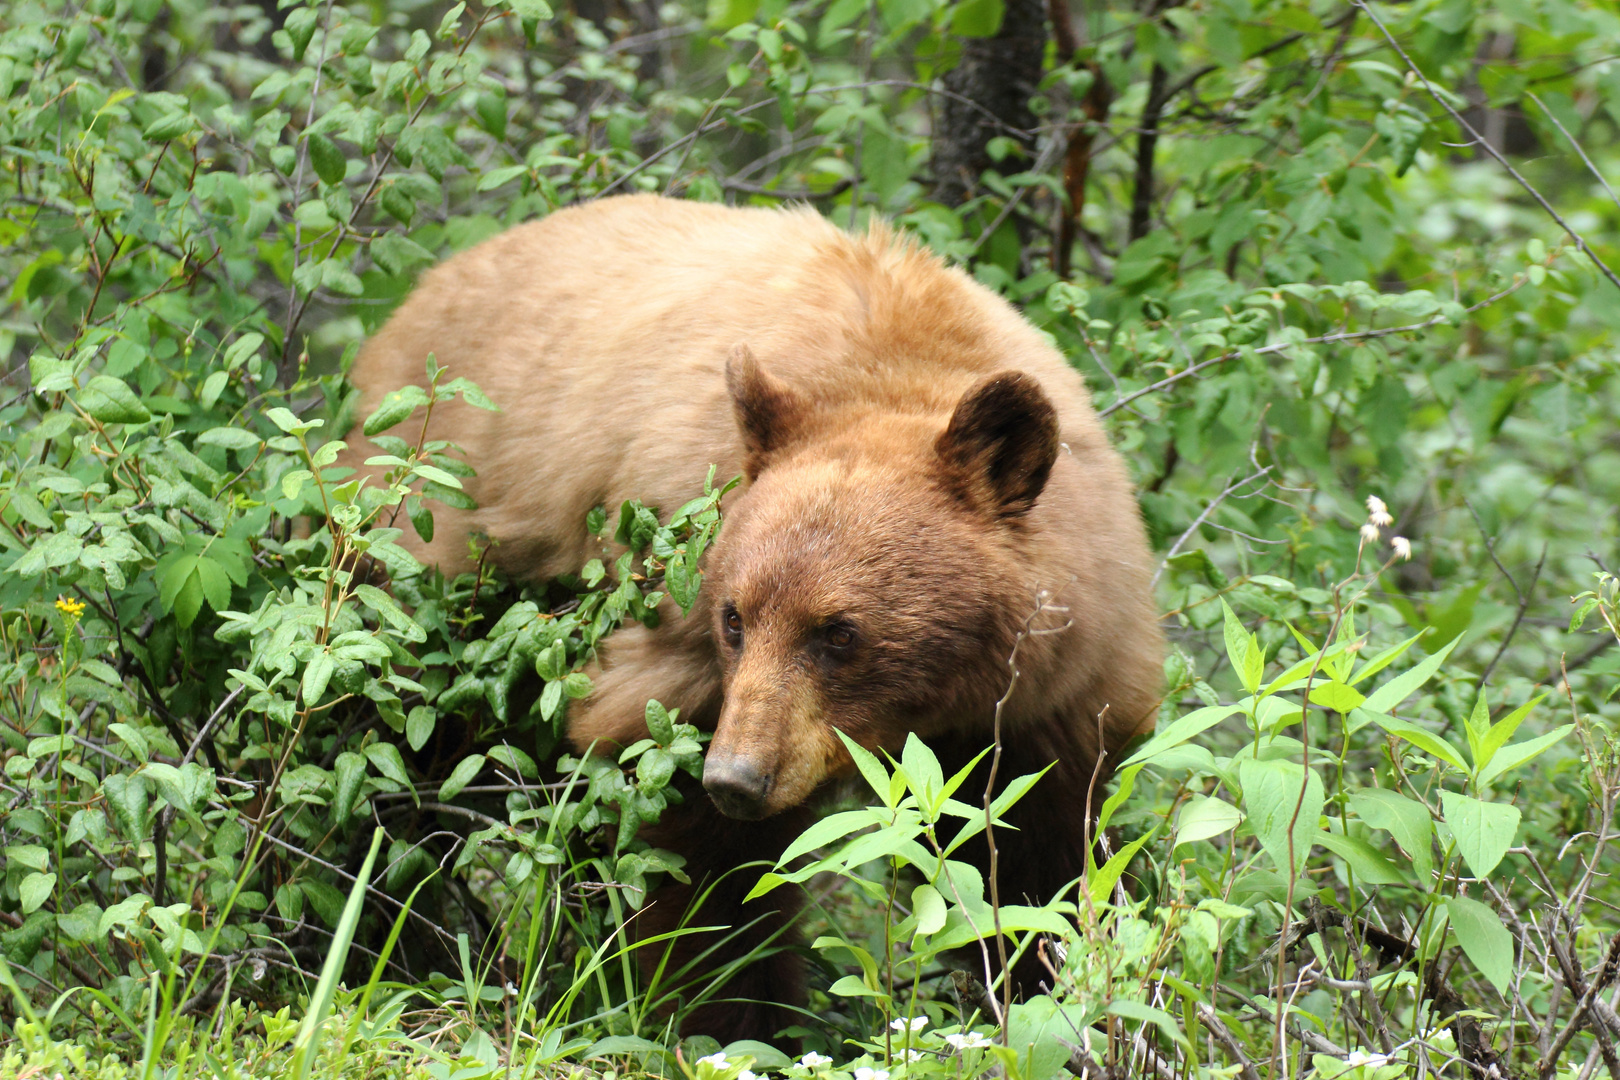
737 788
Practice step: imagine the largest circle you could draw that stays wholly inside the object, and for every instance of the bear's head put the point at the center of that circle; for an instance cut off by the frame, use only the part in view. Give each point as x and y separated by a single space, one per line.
869 580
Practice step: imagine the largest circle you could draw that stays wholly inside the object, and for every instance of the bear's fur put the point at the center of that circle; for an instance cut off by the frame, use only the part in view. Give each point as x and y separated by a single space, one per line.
920 464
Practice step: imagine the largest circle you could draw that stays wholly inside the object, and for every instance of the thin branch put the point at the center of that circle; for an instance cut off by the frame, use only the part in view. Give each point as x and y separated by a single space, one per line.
1577 147
1175 549
1524 603
1324 339
1580 241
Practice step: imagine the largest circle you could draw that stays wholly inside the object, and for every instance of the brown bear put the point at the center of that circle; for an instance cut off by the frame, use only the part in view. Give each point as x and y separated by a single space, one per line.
920 464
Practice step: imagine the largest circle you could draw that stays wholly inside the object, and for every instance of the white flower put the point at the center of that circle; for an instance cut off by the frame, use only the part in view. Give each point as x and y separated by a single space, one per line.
718 1060
908 1055
972 1040
864 1073
746 1074
1369 533
916 1023
813 1060
1377 512
1403 548
1361 1057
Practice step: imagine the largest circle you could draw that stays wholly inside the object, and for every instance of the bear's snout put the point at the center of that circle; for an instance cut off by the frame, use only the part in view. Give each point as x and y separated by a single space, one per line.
737 788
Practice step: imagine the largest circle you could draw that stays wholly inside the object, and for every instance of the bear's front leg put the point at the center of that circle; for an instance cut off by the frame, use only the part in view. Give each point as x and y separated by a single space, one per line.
751 979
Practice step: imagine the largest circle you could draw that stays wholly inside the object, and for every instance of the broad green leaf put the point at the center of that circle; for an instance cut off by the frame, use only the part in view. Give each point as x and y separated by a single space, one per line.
317 673
1483 938
386 757
111 401
929 908
828 829
35 889
1203 817
1423 739
1483 830
1284 804
1405 819
462 775
1369 865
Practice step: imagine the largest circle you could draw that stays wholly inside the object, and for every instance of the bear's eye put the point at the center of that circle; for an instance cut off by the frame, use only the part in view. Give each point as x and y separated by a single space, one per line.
839 637
734 625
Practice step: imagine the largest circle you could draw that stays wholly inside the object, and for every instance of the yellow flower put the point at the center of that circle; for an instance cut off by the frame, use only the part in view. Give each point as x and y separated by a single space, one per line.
69 607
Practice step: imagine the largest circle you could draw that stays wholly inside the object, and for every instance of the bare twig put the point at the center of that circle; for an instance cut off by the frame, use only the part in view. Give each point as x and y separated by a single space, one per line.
1484 144
1324 339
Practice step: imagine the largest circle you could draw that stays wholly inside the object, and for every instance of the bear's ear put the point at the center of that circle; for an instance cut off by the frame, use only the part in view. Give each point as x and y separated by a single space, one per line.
768 413
1001 443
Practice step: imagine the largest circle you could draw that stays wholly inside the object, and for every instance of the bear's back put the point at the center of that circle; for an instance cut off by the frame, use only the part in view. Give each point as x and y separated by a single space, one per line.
602 333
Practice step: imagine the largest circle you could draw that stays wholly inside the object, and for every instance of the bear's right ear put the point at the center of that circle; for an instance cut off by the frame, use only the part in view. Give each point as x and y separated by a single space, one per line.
767 412
1000 445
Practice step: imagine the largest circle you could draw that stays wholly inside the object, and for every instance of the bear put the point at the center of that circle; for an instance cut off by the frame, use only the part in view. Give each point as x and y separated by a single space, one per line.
920 465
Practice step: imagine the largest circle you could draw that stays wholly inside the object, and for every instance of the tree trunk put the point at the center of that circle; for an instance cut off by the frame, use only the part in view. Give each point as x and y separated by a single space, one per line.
988 95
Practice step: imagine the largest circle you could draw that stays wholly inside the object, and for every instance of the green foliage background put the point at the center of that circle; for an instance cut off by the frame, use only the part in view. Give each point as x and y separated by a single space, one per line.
1318 289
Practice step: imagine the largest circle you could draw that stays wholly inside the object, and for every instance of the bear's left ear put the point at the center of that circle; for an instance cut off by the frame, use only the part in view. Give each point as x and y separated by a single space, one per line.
1001 442
768 413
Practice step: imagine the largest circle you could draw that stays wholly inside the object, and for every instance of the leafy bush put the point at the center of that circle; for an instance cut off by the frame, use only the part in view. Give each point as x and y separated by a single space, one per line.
1273 247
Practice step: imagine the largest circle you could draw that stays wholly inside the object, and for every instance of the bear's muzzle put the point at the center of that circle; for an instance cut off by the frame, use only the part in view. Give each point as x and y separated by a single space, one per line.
737 788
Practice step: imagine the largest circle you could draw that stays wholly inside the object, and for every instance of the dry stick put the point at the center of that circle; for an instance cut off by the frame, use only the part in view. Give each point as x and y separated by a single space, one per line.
1041 599
1605 975
1524 603
1324 339
1223 1035
1175 548
1580 241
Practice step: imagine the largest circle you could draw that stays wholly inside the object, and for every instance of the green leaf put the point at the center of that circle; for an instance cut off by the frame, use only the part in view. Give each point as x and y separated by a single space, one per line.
392 613
929 907
1336 696
659 724
853 986
326 158
395 407
530 10
871 768
215 583
1511 757
317 673
1483 831
385 757
1404 685
463 774
825 831
35 889
1243 650
307 1042
232 438
1406 820
1187 727
111 401
1483 939
1369 865
1275 794
1423 739
977 18
419 725
350 769
1203 817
